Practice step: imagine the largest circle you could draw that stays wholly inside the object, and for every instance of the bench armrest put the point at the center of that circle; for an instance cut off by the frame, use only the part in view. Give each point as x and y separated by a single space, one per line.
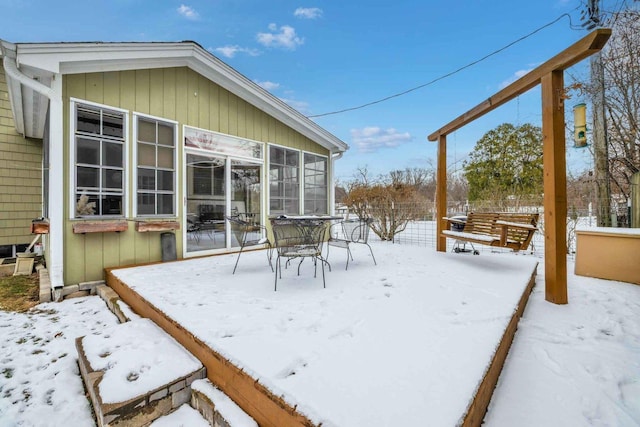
454 220
517 225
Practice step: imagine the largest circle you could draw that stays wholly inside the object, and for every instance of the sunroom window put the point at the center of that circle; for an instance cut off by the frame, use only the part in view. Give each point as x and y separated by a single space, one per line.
99 161
156 167
284 181
315 184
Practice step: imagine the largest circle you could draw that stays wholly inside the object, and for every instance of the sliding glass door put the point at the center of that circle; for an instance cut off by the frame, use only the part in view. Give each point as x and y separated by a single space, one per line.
218 186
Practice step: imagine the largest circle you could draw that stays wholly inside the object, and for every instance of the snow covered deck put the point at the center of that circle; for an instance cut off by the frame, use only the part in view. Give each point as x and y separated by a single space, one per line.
421 338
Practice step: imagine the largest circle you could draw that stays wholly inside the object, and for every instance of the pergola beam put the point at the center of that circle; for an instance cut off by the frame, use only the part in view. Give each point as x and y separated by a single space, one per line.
551 76
580 50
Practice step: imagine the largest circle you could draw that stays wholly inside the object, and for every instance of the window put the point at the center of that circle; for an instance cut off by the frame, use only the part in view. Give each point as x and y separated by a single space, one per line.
315 184
156 167
99 161
284 181
207 175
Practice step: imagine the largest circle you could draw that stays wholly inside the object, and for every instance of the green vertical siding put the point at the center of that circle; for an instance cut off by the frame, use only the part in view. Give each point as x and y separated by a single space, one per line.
20 176
177 94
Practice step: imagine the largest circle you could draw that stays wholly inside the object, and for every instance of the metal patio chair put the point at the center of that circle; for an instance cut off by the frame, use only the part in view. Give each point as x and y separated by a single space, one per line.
350 231
248 234
295 239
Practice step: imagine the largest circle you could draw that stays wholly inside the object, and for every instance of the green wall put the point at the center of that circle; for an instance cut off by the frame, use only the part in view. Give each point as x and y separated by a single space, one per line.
178 94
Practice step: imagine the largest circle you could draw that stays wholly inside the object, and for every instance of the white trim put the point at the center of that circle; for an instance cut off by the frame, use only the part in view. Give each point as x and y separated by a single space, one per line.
69 58
327 182
224 136
55 262
72 158
134 163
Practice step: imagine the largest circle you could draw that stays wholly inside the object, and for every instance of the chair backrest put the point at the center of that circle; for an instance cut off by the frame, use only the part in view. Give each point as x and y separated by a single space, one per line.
356 230
288 233
246 233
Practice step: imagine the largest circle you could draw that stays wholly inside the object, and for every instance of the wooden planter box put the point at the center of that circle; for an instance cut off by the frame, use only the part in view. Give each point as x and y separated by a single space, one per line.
609 253
40 227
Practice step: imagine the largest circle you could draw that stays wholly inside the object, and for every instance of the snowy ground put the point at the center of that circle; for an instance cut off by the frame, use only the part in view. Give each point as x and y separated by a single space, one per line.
573 365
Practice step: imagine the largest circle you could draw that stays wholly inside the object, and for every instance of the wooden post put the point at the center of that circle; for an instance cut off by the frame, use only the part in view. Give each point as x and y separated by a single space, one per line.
555 187
441 193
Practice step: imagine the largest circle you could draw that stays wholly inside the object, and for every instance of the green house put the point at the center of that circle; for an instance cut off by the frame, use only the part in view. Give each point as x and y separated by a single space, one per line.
115 145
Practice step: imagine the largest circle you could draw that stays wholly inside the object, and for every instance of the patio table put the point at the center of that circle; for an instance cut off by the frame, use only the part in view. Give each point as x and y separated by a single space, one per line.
300 236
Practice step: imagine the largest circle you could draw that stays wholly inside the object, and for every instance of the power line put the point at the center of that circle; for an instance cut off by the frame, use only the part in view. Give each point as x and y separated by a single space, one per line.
368 104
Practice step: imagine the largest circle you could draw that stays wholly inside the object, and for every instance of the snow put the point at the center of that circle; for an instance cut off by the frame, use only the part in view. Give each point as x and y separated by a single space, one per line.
610 230
133 366
318 347
570 365
184 416
231 412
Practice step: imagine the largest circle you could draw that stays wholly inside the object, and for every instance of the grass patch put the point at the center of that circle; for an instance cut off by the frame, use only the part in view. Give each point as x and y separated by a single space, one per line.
19 293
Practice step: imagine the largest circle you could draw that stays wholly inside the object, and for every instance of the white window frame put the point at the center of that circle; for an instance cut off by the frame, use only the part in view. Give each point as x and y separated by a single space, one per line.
304 176
72 158
134 190
300 174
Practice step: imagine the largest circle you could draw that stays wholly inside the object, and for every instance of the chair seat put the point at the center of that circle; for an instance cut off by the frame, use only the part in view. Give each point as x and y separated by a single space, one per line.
338 243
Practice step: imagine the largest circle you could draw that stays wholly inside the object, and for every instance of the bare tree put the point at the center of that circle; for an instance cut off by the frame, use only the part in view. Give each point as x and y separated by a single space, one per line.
391 200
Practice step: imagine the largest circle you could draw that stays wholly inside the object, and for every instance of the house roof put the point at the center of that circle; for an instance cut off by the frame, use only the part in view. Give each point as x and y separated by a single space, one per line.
40 62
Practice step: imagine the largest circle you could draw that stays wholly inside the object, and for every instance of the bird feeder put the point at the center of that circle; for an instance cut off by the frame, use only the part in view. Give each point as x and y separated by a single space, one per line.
580 125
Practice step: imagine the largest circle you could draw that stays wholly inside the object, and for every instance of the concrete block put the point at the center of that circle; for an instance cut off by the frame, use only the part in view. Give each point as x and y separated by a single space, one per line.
67 290
177 386
158 394
180 397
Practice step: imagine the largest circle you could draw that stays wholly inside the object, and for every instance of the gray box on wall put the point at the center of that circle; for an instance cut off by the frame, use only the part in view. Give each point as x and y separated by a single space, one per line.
168 242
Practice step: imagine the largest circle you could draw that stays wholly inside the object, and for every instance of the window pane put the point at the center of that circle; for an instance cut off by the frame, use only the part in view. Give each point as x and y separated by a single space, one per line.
292 158
111 205
165 180
146 204
112 179
86 205
165 134
146 179
276 155
88 120
146 155
291 207
87 177
146 131
112 124
165 157
87 151
112 154
165 204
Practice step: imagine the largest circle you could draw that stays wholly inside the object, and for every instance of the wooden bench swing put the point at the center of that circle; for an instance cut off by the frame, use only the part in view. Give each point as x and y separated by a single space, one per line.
499 229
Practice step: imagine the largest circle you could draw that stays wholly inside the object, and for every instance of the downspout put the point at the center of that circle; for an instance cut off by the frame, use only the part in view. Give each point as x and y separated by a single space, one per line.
11 68
55 259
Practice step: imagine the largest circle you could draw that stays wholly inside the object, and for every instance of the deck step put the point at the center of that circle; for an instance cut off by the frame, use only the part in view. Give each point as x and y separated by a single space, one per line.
218 409
184 416
135 372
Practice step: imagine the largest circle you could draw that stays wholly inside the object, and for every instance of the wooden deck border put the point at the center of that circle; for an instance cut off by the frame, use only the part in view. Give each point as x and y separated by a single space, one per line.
266 408
478 407
270 410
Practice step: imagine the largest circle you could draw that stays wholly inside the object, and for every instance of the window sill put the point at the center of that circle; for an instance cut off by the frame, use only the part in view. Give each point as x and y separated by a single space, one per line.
146 226
100 227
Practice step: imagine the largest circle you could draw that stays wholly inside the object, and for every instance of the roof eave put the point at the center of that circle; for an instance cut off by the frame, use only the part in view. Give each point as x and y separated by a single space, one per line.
72 58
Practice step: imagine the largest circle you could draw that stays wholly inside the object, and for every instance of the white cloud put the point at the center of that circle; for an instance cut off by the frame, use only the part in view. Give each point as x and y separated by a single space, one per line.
308 12
284 37
231 51
268 85
188 12
372 139
514 77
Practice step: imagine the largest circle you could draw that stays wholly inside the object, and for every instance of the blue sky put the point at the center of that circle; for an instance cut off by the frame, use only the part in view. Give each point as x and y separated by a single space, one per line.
322 56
